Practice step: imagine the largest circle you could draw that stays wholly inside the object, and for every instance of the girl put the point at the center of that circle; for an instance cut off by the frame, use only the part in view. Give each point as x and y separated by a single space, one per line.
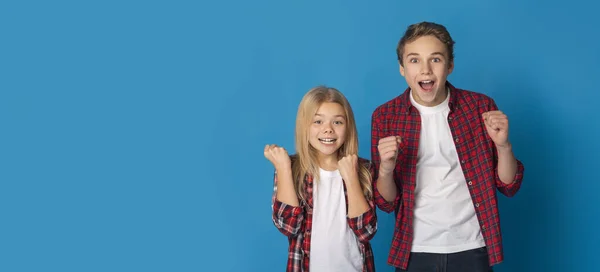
323 199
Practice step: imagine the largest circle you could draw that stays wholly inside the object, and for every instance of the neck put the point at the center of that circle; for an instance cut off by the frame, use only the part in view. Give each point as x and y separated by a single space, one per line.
328 162
442 95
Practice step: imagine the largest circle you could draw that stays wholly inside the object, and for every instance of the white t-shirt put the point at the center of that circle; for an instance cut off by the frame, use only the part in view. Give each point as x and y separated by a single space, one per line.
334 246
445 219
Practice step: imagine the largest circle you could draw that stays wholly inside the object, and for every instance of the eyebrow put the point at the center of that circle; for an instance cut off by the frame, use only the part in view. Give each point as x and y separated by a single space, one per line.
432 54
339 115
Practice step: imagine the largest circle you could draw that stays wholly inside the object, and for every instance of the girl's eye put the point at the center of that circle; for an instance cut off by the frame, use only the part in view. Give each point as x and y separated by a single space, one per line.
318 122
338 122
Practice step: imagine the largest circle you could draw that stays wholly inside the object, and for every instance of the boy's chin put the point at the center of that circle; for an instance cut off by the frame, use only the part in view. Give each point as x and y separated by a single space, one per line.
427 98
425 95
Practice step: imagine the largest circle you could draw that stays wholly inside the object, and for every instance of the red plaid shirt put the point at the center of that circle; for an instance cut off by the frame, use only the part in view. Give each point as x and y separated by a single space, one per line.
477 155
296 224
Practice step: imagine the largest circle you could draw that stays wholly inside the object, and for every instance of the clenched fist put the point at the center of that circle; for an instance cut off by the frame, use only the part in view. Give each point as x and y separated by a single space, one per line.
496 124
278 156
348 167
388 152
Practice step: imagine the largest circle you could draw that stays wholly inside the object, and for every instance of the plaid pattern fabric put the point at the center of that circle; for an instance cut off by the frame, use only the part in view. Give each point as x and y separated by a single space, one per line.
477 155
296 224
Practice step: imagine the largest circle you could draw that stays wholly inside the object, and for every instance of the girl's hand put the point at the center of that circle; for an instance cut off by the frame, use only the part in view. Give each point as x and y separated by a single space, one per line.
278 156
348 166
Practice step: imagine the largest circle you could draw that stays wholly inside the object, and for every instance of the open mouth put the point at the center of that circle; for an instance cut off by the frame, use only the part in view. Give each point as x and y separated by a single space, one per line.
426 85
327 140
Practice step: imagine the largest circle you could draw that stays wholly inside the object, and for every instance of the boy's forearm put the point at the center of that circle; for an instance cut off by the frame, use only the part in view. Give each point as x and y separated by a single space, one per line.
387 187
286 192
507 164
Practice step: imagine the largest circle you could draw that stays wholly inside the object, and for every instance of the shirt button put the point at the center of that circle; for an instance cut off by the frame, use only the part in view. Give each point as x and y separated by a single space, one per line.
477 205
457 140
463 161
470 183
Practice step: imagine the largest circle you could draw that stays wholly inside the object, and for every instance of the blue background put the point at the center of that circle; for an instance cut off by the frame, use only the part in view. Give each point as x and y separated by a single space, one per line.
131 132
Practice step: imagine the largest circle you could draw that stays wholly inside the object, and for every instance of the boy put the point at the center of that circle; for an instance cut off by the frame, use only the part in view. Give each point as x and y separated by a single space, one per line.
440 153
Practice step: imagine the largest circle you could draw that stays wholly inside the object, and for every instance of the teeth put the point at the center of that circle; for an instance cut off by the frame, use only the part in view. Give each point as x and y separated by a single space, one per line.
426 81
327 140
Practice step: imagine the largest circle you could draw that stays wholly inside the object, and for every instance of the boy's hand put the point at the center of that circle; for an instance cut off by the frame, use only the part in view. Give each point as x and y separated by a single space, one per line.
388 151
278 156
348 167
496 124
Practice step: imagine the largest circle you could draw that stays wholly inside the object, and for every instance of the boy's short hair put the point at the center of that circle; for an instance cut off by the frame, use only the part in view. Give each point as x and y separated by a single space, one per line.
421 29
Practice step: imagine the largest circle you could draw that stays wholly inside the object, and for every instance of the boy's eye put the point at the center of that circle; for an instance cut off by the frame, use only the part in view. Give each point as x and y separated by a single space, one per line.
436 60
413 60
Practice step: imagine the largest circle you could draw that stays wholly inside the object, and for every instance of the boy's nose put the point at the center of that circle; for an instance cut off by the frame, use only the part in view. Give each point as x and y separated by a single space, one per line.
425 69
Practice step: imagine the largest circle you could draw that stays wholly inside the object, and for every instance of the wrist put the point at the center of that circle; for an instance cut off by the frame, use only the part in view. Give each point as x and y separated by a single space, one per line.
351 178
385 174
284 169
506 147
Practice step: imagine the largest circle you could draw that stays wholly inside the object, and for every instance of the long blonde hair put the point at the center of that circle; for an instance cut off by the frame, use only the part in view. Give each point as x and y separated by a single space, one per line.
306 161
